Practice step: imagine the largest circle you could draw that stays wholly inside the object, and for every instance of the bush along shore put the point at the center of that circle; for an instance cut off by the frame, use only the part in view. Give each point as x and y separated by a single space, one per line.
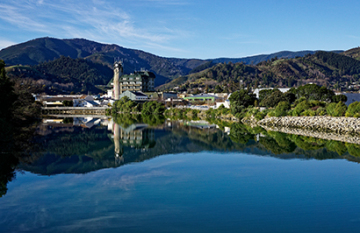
308 107
220 113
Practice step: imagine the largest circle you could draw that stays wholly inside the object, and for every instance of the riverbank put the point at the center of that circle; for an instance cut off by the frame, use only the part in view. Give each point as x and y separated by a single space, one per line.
347 138
339 125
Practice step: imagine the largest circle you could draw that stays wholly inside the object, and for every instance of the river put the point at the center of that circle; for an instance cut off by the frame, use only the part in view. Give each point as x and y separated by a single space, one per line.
133 174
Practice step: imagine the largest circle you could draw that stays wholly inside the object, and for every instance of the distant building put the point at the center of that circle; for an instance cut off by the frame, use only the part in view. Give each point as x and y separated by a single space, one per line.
202 97
226 102
55 101
134 95
139 81
86 101
257 90
161 95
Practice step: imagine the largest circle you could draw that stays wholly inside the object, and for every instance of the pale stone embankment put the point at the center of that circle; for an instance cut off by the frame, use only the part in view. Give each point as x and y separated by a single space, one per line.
339 125
344 129
354 139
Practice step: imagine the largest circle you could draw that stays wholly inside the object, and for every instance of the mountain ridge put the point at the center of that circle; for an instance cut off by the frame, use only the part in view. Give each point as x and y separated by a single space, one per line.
36 51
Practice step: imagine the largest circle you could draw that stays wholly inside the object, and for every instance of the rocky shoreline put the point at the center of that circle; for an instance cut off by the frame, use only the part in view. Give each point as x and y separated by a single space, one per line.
339 125
354 139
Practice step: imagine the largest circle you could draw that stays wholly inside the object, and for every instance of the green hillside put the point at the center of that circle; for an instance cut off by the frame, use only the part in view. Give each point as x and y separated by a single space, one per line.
324 68
47 49
62 75
354 53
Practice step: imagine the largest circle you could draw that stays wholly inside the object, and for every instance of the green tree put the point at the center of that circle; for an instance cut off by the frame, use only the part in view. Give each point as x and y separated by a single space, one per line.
273 99
282 108
7 94
241 99
353 110
340 109
218 89
337 98
313 92
301 107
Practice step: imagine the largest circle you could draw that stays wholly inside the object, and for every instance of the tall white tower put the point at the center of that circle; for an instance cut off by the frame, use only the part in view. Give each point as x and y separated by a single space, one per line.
118 72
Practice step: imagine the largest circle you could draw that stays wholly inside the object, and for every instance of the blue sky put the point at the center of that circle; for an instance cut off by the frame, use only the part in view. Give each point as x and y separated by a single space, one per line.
188 28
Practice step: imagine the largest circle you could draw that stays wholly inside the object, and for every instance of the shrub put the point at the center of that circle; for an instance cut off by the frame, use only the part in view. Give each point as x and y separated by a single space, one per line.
282 108
338 98
353 109
260 115
308 112
297 101
273 99
304 105
330 109
336 110
340 109
271 113
321 111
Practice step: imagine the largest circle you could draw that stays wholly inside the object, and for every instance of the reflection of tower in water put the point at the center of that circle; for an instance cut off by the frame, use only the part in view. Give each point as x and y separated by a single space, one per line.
118 147
136 136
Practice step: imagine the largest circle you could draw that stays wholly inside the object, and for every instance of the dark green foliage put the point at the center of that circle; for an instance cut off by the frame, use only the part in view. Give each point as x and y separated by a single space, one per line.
353 110
313 92
273 99
17 108
336 110
125 105
306 143
83 73
152 107
153 119
241 99
340 109
330 109
336 146
289 97
338 98
271 144
240 134
301 107
201 67
7 94
353 149
345 64
260 115
263 94
282 108
218 89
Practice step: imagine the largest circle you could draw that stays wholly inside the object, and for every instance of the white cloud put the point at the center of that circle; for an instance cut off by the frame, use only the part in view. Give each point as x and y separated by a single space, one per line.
14 15
6 43
94 20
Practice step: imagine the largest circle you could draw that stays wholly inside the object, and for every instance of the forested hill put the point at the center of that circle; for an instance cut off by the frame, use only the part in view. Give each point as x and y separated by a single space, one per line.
47 49
324 68
354 53
63 75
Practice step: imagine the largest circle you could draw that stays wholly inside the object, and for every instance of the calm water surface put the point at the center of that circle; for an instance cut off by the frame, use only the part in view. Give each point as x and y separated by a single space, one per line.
179 177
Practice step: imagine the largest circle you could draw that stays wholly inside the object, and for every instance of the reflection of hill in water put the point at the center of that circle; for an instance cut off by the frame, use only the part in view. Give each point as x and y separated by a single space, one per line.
81 150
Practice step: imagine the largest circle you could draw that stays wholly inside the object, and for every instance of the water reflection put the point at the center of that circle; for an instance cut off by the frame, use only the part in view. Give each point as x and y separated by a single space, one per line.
86 144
